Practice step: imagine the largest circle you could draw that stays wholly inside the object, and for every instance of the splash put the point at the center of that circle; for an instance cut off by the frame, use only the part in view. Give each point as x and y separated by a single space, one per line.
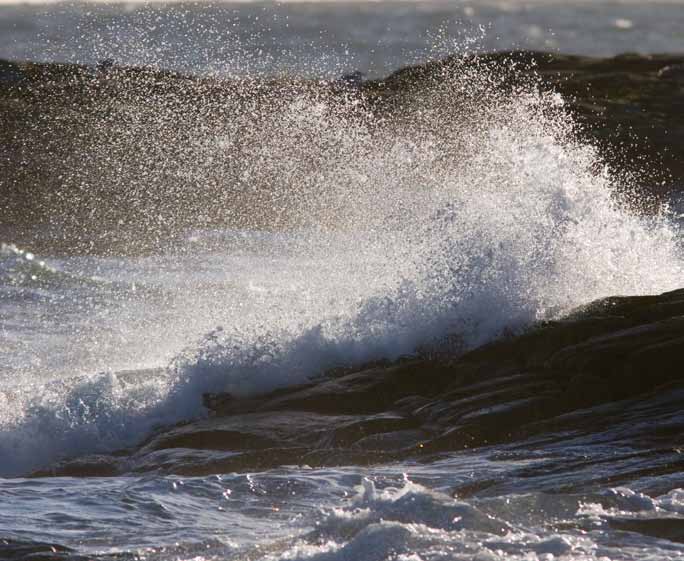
343 231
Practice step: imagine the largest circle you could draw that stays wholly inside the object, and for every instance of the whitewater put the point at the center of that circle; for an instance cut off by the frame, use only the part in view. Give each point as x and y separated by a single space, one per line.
268 234
458 224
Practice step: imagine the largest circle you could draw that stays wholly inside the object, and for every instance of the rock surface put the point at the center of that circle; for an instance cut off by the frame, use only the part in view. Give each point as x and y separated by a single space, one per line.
616 362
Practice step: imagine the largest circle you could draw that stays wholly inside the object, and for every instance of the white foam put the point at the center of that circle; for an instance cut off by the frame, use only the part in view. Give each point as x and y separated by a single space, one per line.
473 214
625 502
413 522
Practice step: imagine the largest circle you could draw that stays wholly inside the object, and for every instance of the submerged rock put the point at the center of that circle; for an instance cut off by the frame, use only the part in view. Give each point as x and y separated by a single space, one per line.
616 361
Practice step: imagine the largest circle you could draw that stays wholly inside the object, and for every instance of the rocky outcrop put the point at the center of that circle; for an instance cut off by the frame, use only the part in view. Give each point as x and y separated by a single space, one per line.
631 106
615 361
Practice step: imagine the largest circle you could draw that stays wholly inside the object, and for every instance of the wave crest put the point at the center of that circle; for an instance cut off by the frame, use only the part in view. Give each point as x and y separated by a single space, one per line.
465 210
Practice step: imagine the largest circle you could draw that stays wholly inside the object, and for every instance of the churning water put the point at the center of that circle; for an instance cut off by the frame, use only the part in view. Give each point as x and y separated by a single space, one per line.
473 214
465 219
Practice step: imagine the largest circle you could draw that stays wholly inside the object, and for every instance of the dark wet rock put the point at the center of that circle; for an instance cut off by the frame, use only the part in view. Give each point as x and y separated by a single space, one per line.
672 72
666 528
105 65
611 366
353 80
9 72
15 550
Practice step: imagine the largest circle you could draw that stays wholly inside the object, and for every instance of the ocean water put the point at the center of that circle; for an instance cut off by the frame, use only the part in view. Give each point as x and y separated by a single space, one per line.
327 38
472 220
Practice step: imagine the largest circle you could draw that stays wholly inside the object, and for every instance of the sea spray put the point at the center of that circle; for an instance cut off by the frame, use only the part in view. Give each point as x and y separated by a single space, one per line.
465 209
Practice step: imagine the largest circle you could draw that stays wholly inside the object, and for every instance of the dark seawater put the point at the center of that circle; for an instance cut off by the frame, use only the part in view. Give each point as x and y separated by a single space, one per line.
266 236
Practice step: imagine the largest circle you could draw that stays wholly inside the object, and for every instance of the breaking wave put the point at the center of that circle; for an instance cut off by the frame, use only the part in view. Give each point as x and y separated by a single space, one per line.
466 214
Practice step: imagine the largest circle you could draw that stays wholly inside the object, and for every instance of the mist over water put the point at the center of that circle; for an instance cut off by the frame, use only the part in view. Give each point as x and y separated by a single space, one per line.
473 214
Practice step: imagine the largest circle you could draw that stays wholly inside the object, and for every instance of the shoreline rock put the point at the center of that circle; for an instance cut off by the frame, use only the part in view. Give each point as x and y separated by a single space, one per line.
615 362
